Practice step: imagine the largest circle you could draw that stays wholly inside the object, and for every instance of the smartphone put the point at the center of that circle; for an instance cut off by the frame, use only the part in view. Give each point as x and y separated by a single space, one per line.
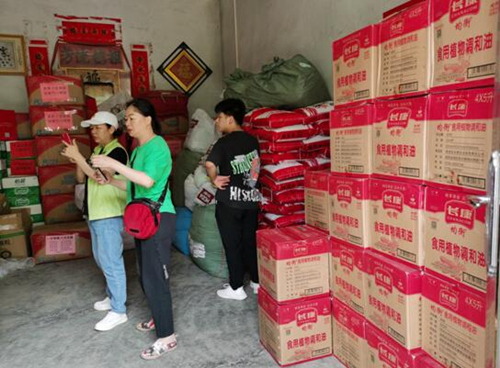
89 162
66 138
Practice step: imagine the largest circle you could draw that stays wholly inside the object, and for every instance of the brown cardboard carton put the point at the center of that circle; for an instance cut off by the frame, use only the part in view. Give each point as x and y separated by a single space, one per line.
317 203
58 208
394 299
4 205
49 90
49 149
293 262
14 228
61 242
347 274
59 179
458 323
349 342
296 332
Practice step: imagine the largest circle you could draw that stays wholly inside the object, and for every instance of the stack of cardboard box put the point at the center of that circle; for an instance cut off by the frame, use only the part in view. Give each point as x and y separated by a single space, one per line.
409 260
15 227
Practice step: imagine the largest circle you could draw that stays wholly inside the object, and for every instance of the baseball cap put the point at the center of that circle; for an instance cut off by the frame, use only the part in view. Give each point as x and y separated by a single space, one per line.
101 117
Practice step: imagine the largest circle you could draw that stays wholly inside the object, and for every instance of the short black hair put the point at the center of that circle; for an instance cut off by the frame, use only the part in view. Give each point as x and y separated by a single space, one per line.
232 107
146 109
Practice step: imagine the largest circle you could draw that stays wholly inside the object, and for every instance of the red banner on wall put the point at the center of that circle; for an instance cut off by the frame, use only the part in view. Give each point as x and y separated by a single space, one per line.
38 51
89 30
140 69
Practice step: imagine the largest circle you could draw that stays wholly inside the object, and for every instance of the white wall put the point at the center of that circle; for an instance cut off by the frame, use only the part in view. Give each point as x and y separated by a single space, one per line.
164 23
268 28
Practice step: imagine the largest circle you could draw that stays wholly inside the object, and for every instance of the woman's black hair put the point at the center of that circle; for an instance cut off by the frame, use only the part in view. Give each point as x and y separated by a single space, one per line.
146 109
118 131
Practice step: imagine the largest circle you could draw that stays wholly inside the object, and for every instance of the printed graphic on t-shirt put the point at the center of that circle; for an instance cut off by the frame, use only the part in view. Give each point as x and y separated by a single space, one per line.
249 166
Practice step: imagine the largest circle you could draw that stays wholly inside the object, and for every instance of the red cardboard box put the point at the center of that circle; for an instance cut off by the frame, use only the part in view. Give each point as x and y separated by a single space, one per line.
23 126
26 167
351 140
21 149
61 242
59 179
8 129
293 262
394 299
56 120
317 202
49 149
297 332
49 90
59 208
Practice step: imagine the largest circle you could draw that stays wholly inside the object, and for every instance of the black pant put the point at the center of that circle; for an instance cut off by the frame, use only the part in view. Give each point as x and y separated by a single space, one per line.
237 229
153 257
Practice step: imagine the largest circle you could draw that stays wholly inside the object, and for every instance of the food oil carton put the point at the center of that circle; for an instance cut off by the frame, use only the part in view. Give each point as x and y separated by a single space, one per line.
23 126
317 203
20 149
384 352
24 167
296 332
404 53
458 323
61 242
49 90
351 140
355 66
397 223
49 149
394 299
59 179
59 208
424 360
349 340
347 274
399 139
57 119
460 138
455 245
22 191
293 262
464 41
349 210
8 130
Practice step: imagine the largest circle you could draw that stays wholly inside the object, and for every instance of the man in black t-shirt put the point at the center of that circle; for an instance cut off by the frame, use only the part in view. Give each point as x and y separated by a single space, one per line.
233 165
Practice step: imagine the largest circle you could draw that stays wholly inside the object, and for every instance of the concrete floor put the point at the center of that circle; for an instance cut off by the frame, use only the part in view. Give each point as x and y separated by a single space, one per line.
47 319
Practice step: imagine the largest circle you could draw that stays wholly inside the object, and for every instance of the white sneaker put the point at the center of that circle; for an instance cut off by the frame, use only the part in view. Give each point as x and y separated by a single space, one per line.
255 287
111 320
103 305
229 293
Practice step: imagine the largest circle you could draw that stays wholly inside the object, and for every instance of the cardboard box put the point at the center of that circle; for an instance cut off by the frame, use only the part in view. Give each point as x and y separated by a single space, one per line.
23 126
317 203
22 191
458 323
25 167
355 66
349 206
297 332
4 205
14 228
8 129
384 352
59 208
465 42
60 179
49 149
56 120
394 299
397 219
405 52
461 139
50 90
399 139
426 361
61 242
35 212
347 274
20 149
349 340
293 262
454 237
351 140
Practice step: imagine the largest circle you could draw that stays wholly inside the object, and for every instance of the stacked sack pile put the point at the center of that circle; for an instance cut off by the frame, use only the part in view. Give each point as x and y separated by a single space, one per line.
290 142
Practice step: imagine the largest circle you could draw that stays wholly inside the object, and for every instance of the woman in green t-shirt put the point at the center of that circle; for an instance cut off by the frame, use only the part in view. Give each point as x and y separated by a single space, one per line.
151 164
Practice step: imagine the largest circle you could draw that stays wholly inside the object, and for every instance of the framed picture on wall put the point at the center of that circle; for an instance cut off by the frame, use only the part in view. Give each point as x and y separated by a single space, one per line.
12 54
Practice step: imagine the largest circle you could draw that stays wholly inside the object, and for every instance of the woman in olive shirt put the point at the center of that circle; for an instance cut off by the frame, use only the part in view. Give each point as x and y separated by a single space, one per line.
151 166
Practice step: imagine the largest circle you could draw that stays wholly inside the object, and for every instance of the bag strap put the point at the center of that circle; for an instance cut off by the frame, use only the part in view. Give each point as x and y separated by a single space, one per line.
163 194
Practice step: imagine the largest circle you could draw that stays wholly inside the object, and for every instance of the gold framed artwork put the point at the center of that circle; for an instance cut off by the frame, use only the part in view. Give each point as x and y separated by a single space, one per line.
12 54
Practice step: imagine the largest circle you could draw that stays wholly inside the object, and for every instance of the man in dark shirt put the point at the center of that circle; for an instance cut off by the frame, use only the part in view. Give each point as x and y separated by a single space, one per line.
233 165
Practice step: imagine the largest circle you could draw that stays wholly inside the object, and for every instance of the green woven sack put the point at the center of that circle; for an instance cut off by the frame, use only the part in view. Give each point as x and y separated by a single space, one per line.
185 164
205 243
284 84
